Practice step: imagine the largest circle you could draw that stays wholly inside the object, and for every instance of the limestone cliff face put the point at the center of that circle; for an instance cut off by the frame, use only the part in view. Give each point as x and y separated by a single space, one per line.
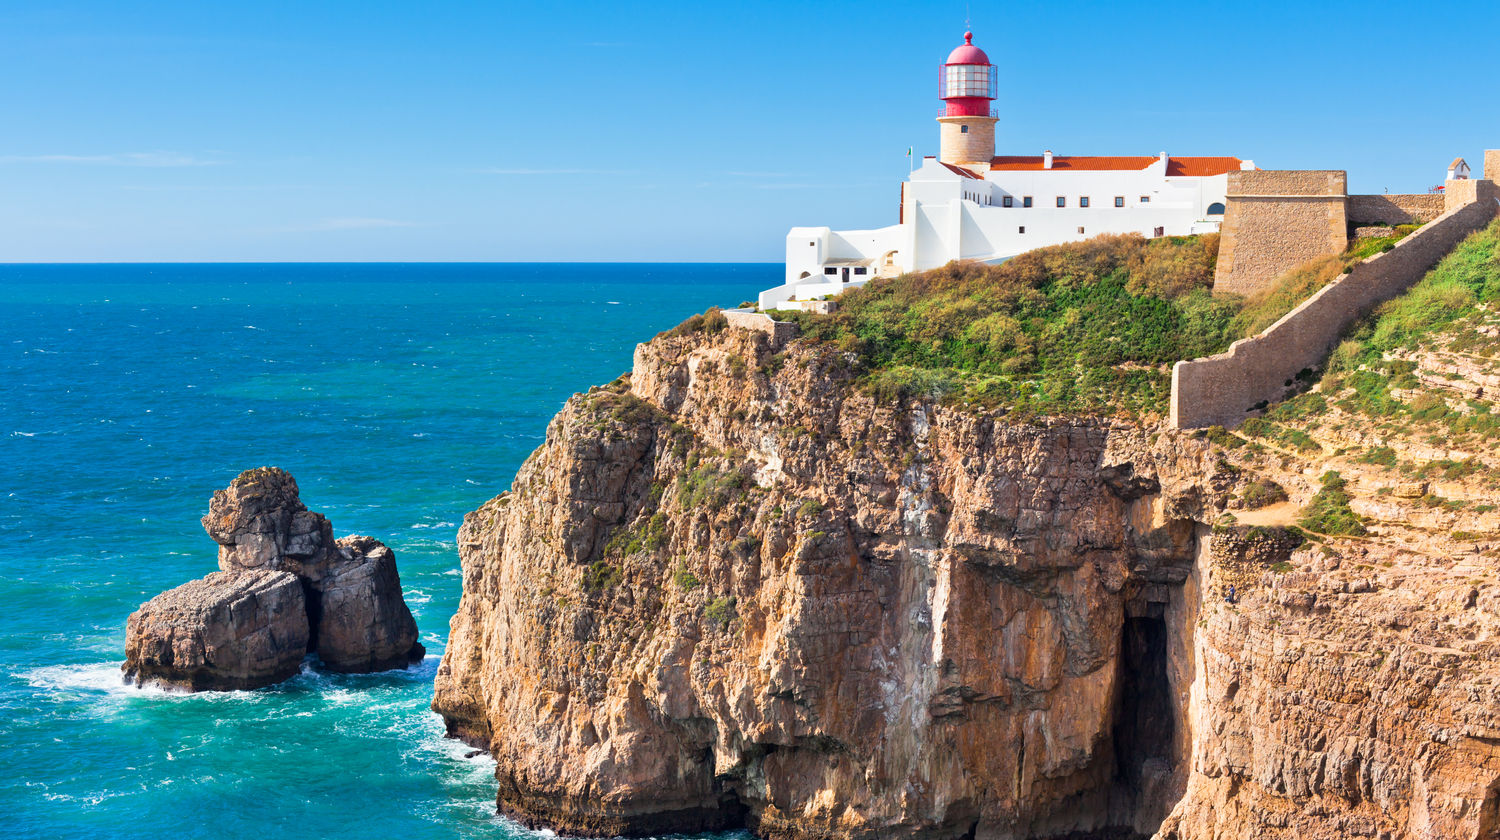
735 591
731 590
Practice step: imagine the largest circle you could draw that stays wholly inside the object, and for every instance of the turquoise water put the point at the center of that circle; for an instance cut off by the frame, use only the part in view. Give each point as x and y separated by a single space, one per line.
400 396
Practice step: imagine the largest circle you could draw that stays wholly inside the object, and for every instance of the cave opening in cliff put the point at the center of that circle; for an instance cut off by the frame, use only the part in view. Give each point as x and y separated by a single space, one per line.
313 599
1145 733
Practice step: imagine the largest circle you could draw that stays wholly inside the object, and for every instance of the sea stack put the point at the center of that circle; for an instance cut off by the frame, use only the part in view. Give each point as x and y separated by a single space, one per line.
286 588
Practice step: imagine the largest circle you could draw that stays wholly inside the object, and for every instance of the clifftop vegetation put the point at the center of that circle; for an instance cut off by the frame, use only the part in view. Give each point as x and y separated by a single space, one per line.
1088 327
1085 327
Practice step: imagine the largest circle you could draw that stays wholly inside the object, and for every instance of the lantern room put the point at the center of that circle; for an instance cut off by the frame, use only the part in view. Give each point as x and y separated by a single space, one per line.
967 81
967 85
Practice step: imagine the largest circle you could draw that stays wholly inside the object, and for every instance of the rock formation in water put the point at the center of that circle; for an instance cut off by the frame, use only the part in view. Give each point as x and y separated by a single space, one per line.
223 632
285 589
731 590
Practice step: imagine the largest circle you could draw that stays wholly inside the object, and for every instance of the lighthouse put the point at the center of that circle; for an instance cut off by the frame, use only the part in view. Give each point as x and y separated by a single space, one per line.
967 85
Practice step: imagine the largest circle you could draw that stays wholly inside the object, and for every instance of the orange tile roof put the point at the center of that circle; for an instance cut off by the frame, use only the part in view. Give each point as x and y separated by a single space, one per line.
1202 166
1196 166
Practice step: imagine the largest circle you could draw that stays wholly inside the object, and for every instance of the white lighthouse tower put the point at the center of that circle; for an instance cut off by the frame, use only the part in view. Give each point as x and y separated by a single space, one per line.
967 86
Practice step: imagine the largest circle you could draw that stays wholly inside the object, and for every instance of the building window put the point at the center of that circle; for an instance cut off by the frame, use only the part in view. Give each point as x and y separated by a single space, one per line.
1161 231
1119 201
1083 201
1080 229
830 270
1216 209
812 244
963 129
1062 201
859 270
1008 201
1021 229
1025 201
1145 199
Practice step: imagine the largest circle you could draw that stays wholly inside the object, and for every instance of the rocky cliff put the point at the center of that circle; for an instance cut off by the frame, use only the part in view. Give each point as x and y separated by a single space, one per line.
730 589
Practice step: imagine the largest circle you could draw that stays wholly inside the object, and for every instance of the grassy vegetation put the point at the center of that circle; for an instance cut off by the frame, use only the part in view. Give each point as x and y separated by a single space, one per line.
1328 511
1083 327
1262 492
709 485
720 611
600 575
1366 368
685 580
1378 244
1092 328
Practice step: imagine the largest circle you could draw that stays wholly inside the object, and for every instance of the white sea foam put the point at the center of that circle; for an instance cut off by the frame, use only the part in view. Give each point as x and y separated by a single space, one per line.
95 678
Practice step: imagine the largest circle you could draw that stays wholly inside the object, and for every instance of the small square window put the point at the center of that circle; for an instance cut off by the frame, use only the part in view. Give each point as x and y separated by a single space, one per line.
812 244
1083 201
1025 201
1008 201
1062 201
963 129
1021 229
860 270
1080 228
1119 201
1145 199
830 270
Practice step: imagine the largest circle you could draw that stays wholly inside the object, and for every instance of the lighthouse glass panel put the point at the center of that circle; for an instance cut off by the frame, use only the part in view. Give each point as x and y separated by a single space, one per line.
968 80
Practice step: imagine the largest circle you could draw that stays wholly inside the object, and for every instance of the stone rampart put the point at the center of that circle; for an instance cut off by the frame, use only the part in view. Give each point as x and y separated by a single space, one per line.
1227 388
1276 220
1492 165
1394 209
1467 191
780 331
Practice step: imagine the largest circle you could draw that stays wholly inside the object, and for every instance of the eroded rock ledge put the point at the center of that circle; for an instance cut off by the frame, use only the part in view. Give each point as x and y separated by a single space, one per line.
286 588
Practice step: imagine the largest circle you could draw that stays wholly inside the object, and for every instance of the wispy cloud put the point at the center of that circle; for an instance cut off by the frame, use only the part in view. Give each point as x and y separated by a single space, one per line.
497 171
147 159
355 223
758 174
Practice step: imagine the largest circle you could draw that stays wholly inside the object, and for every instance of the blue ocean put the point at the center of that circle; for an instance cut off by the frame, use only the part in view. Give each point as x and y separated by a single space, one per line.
400 396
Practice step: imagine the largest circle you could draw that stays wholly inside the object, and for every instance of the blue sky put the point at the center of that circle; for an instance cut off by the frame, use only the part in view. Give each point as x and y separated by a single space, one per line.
187 131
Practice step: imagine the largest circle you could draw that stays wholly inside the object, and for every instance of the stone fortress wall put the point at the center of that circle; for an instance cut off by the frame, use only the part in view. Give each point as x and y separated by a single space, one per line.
1229 387
1275 220
1394 209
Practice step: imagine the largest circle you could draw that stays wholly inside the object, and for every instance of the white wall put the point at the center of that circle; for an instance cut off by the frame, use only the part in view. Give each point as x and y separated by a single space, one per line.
948 216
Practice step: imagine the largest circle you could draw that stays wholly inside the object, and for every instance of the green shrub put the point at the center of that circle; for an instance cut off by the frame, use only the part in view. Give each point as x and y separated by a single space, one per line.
811 507
1328 511
600 576
685 580
708 485
1261 493
1380 455
720 611
712 321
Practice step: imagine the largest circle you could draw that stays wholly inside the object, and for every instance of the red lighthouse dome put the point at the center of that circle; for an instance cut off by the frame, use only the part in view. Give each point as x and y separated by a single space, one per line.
967 81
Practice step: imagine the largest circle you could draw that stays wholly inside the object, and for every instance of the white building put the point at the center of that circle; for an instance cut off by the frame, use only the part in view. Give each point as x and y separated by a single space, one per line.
968 204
